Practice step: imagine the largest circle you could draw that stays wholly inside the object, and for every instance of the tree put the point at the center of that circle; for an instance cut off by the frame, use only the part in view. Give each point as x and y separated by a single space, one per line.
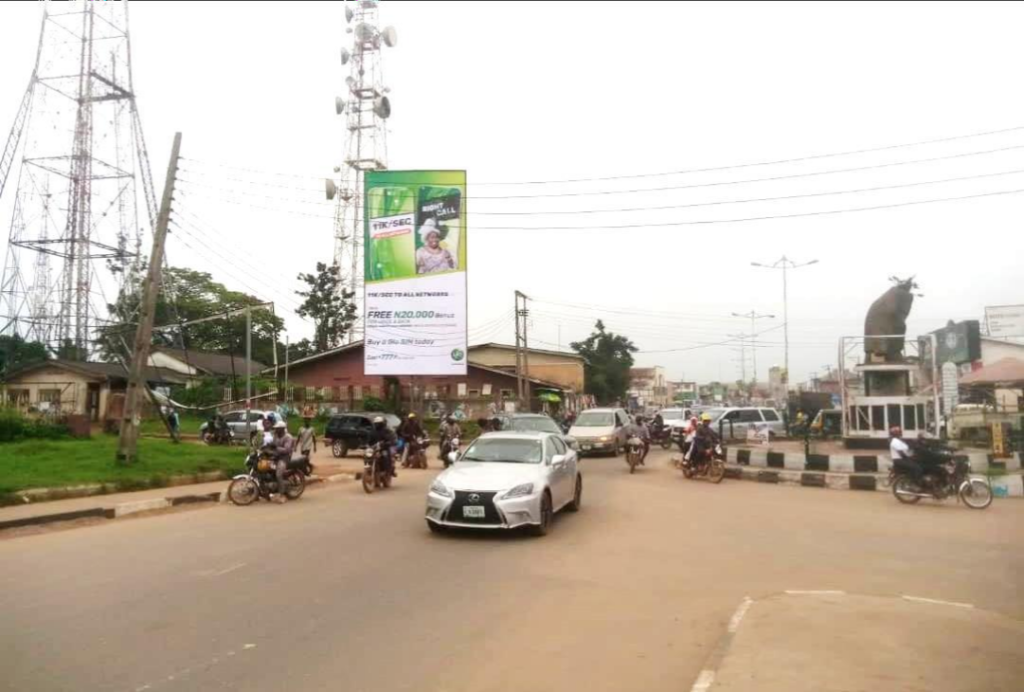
608 360
328 304
15 352
188 295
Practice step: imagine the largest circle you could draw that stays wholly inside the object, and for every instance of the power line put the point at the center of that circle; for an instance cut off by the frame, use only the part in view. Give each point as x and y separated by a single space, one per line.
631 176
701 222
790 176
561 212
256 293
706 222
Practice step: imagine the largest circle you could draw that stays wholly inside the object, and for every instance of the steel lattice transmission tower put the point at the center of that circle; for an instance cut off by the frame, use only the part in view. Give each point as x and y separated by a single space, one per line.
76 229
366 107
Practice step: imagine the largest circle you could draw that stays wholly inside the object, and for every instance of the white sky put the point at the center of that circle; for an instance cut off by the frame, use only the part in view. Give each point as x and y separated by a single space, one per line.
524 91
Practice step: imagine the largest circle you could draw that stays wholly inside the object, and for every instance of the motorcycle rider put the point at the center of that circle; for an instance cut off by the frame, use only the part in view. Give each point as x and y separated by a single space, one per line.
638 429
704 439
412 432
449 430
658 422
900 451
689 432
281 450
382 434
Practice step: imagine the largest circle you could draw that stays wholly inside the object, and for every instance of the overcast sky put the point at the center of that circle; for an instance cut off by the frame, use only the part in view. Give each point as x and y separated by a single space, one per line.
550 91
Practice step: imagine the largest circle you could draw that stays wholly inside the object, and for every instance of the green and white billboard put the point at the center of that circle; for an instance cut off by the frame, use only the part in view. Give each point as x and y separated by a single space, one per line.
415 273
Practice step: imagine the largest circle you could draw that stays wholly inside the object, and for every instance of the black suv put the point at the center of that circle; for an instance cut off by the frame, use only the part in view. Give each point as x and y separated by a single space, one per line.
347 431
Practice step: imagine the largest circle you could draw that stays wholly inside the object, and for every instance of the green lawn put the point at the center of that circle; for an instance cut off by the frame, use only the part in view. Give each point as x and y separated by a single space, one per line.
188 424
56 463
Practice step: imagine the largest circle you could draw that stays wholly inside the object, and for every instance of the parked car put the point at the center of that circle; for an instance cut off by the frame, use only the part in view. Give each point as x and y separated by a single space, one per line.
348 431
534 422
505 480
236 423
601 430
735 422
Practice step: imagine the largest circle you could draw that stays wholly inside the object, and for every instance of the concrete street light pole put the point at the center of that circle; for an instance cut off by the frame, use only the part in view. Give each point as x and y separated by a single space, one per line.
785 264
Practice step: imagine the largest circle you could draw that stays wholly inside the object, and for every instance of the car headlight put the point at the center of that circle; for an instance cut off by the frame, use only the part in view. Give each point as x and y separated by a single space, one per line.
519 491
439 488
605 438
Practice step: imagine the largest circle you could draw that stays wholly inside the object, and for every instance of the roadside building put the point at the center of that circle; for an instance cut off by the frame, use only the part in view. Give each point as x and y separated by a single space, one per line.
199 364
68 387
648 388
335 381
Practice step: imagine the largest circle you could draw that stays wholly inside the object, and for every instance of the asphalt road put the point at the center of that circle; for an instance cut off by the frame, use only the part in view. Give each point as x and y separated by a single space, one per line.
343 591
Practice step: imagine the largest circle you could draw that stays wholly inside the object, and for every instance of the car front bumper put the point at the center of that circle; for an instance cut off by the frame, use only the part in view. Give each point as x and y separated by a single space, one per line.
508 514
595 445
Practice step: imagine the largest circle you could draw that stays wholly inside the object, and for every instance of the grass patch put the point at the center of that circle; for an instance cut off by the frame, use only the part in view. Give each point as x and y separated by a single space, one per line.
189 424
58 463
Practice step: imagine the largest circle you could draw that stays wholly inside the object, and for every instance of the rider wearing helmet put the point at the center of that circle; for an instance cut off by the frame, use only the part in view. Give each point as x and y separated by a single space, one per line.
383 435
705 438
449 430
281 450
639 429
411 432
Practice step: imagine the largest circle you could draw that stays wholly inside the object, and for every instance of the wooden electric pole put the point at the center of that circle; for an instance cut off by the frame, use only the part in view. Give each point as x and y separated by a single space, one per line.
127 447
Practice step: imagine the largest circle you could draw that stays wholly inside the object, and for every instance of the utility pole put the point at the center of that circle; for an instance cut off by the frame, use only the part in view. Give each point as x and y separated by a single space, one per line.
743 354
785 264
522 355
127 447
754 316
248 372
287 400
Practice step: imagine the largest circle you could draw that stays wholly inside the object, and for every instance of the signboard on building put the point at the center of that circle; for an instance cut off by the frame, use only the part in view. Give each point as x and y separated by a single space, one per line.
1005 320
414 247
957 342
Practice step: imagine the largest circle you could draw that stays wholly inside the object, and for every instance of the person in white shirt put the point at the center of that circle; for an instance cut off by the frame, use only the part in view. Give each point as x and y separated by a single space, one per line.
898 449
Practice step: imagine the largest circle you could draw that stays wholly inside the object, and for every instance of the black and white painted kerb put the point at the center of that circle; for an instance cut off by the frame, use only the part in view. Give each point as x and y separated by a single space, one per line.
854 471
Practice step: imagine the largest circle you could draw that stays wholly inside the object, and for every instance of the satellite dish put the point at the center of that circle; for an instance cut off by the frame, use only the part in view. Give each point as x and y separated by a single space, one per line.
364 32
351 83
339 105
382 107
330 188
345 55
390 36
349 13
337 169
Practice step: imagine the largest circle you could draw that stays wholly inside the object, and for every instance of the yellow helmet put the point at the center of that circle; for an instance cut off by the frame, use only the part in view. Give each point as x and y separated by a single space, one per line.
705 417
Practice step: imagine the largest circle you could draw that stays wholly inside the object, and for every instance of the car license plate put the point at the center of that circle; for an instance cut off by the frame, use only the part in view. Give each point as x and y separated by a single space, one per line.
473 512
586 448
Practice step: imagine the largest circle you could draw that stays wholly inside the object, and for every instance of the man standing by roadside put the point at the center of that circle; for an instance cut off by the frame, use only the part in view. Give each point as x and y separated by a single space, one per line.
175 424
307 438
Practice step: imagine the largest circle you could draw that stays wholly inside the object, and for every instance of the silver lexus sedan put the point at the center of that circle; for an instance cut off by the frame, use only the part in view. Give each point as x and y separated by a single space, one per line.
505 480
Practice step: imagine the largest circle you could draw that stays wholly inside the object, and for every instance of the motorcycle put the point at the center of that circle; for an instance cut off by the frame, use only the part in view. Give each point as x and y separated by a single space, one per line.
941 475
417 454
709 463
450 449
260 479
375 473
662 436
218 436
634 453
